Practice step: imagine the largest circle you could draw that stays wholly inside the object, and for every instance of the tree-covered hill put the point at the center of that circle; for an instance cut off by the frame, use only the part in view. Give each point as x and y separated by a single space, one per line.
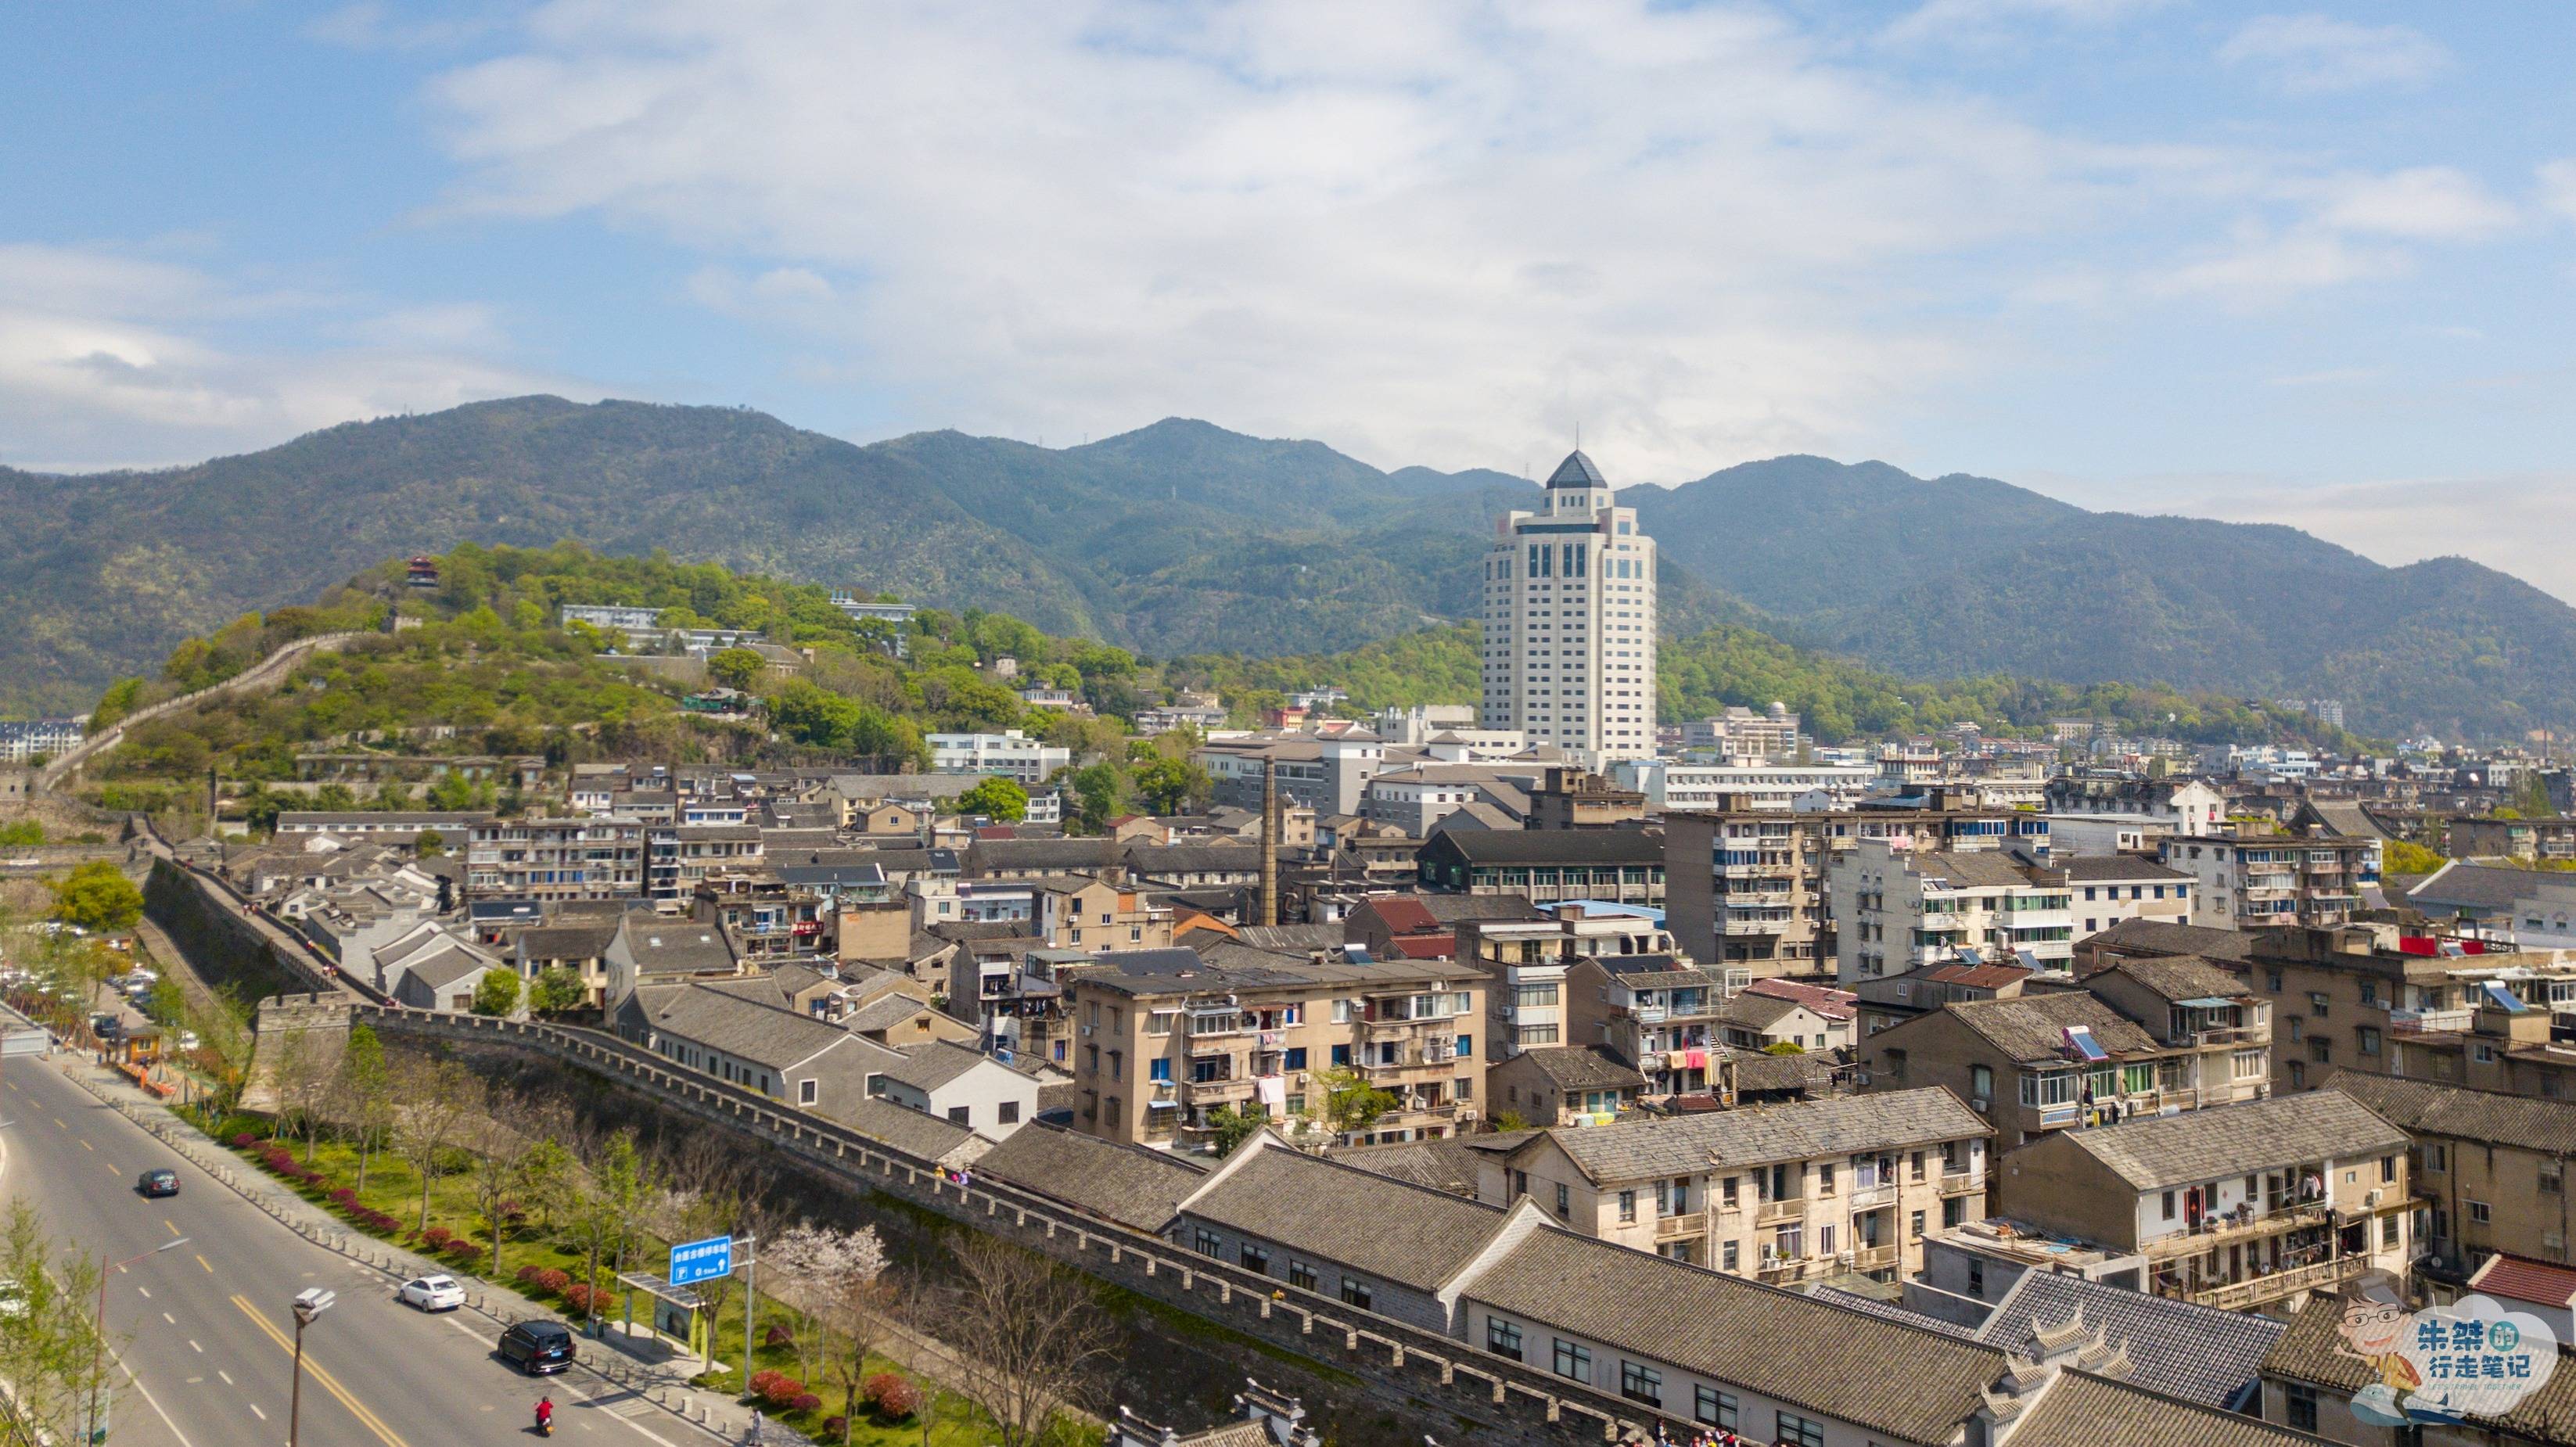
1184 538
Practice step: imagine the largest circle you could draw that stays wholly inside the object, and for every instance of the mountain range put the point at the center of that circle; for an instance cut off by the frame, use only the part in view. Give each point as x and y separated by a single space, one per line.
1183 537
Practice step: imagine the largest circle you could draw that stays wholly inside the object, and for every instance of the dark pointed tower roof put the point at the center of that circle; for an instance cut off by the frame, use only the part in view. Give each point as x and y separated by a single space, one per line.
1576 471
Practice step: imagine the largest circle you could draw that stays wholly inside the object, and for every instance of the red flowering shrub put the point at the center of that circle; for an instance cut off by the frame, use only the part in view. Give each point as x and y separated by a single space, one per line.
807 1402
437 1237
782 1391
890 1396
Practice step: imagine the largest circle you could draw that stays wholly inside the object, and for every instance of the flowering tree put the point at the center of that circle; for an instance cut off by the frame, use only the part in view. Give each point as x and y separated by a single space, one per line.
840 1276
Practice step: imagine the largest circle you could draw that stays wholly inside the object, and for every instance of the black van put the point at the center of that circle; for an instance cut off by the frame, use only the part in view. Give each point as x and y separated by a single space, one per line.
539 1347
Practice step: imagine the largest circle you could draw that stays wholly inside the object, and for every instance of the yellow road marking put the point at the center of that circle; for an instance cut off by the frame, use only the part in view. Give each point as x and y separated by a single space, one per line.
58 1120
329 1383
87 1146
174 1230
201 1261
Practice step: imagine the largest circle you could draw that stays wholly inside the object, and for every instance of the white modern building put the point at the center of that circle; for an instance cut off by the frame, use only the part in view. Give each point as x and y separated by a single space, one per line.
25 739
1900 910
1013 755
1569 647
1679 786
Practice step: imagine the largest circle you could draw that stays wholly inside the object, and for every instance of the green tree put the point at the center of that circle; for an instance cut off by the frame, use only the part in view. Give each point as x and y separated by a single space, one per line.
334 798
1784 1047
619 1188
1173 786
557 989
1099 793
1233 1125
116 703
97 896
999 799
1341 1102
2397 856
366 1098
429 844
497 993
736 668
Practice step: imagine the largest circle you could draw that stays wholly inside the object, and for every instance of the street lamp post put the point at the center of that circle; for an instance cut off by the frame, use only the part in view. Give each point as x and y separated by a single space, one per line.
98 1336
311 1302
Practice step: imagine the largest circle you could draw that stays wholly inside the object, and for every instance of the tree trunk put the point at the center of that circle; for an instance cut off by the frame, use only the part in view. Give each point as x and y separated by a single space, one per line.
424 1199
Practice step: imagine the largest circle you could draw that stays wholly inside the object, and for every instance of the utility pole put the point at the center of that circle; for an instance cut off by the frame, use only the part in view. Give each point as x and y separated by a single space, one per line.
309 1303
750 1299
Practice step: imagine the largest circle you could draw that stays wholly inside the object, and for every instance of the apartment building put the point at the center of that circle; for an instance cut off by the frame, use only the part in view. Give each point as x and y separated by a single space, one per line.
2191 807
1569 636
1678 785
1747 887
1164 1038
2491 1167
597 857
2106 890
1660 1011
1783 1193
1527 954
1012 754
1741 733
2243 1207
1328 773
2249 881
1564 1085
1078 912
1899 910
1618 866
2051 1060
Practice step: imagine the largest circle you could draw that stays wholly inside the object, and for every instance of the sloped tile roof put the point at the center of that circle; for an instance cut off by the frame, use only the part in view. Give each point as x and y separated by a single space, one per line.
2179 977
1131 1185
2425 1107
2155 936
2313 1351
1584 1067
2197 1353
2083 1410
2229 1140
2029 1028
1882 1376
1758 1135
1389 1228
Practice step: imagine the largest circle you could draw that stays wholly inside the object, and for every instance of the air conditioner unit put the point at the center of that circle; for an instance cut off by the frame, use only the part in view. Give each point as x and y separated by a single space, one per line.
2370 1201
1087 1029
1981 1105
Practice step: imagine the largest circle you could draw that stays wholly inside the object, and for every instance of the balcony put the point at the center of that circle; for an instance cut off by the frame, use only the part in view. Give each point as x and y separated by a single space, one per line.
1777 1272
1669 1228
1216 1092
2222 1035
2247 1295
1734 926
1775 1213
2216 1231
1962 1183
1872 1198
1874 1258
1758 899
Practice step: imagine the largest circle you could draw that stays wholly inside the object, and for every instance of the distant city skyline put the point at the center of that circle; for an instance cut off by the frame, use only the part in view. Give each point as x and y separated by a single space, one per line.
2284 265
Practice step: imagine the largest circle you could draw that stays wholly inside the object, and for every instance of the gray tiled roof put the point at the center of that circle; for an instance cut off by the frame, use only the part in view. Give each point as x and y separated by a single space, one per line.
2083 1410
1452 908
1977 868
916 1132
2124 868
1757 1135
1584 1067
1884 1377
2033 1027
1758 1071
928 1067
676 946
2424 1107
1291 938
1388 1228
2457 886
1131 1185
2155 936
1556 846
2179 977
1445 1164
749 1030
882 1013
1757 1012
2227 1140
2198 1353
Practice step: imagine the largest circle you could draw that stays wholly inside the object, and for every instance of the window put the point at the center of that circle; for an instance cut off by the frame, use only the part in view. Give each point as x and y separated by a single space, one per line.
1296 1059
1573 1362
2272 981
960 1114
2369 1040
1641 1383
2553 1179
1797 1431
2303 1407
1502 1338
1159 1069
1917 1224
1010 1112
1627 1208
1726 1193
2168 1205
2247 1064
2389 1232
1981 1081
1341 1056
1976 1278
1256 1258
1207 1243
1300 1275
2387 1169
808 1091
1713 1407
1730 1257
1564 1202
1356 1292
2479 1214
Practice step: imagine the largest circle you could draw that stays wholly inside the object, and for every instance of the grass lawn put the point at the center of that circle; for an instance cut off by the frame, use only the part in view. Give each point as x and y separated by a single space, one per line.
393 1187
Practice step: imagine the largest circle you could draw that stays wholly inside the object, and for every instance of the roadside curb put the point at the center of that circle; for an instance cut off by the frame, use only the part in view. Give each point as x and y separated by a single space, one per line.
503 1309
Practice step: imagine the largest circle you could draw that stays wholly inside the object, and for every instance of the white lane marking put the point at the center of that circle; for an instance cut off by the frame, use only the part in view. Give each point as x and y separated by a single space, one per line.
192 1345
263 1416
147 1292
165 1316
155 1403
227 1376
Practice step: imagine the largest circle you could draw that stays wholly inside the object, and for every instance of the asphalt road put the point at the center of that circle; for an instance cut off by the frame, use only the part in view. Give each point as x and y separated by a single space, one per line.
210 1332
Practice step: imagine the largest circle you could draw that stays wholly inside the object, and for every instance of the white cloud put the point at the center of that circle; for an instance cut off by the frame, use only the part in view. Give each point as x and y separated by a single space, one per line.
370 25
1444 231
2406 521
2313 53
2434 203
1981 21
2558 188
110 360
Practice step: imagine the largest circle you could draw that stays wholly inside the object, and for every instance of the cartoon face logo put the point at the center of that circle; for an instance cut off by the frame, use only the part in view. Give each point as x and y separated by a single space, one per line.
2373 1328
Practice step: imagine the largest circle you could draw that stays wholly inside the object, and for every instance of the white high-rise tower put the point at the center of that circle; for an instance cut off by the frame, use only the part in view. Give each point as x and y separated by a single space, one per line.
1570 623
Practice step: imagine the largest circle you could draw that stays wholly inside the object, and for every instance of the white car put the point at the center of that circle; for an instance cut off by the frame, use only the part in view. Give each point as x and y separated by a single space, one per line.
432 1293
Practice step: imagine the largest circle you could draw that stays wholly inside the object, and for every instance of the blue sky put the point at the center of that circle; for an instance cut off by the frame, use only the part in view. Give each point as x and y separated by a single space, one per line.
2282 263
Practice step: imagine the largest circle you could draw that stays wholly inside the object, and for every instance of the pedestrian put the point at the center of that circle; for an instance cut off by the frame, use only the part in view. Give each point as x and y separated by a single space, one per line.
752 1434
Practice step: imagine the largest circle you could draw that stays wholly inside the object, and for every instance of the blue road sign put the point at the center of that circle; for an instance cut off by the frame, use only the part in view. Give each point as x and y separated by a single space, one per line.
701 1260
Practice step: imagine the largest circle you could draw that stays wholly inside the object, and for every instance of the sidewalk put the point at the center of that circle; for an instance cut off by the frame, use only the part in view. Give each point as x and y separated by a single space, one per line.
622 1368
